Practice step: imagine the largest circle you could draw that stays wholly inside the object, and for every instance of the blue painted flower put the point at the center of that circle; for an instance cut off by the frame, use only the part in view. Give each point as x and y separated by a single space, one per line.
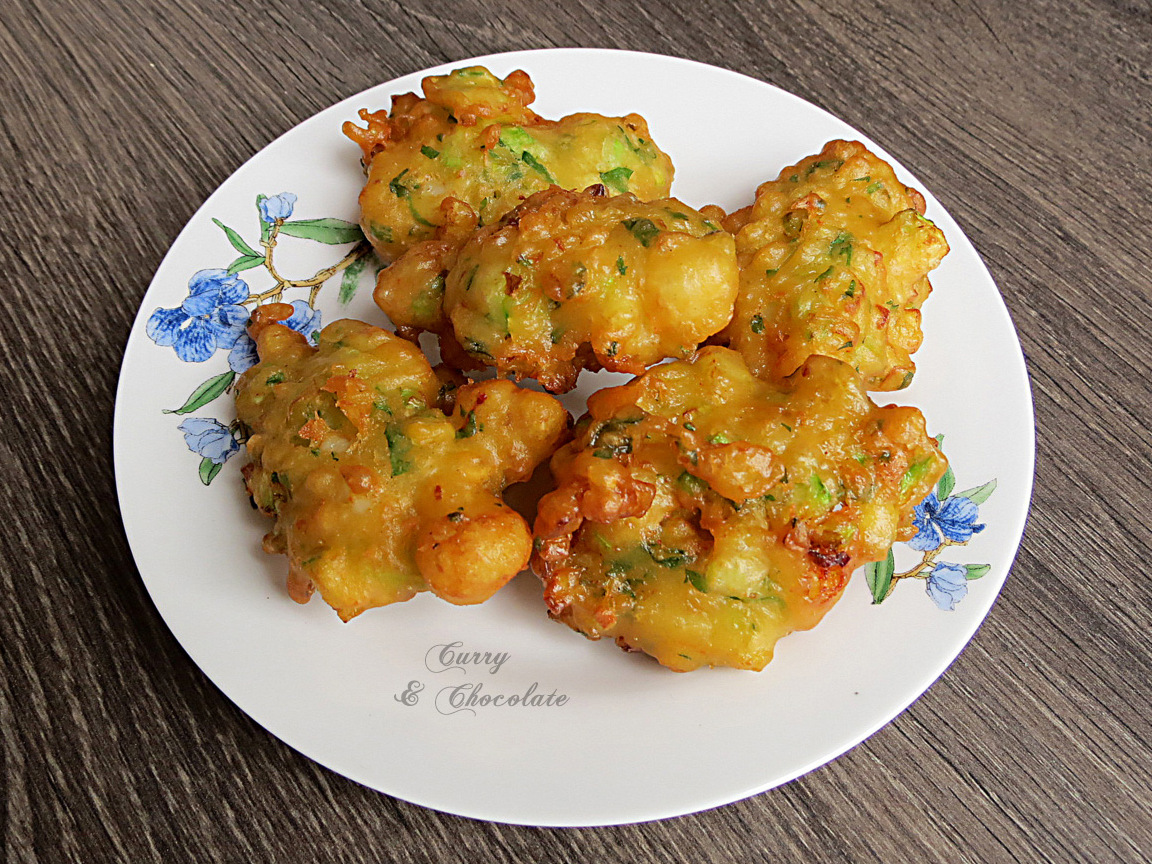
947 585
954 519
277 206
209 438
210 317
304 320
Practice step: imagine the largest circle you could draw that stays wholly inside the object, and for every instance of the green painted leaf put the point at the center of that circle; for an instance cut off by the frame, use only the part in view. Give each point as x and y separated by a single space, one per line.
237 241
879 577
980 494
350 281
975 571
616 179
209 470
245 262
330 231
205 393
946 485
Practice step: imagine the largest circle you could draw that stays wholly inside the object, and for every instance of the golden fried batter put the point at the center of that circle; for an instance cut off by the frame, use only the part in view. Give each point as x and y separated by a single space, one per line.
377 492
701 513
834 257
474 138
578 280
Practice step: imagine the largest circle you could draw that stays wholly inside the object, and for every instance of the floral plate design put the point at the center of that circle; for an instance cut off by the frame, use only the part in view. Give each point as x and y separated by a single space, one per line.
442 705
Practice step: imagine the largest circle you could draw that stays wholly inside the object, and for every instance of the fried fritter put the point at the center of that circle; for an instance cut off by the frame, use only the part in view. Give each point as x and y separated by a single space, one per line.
578 280
474 138
701 513
834 257
377 492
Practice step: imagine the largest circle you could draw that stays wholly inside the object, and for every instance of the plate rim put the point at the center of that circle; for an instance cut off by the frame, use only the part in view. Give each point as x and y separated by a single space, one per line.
1016 520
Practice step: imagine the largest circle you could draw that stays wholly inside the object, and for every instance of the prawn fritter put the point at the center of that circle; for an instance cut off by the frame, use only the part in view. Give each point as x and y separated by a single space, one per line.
834 257
377 492
578 280
701 513
474 138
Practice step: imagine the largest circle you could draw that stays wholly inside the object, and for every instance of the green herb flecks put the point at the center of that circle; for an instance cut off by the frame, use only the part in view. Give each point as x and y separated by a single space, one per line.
691 484
616 179
842 246
612 438
667 557
819 491
823 164
644 230
476 348
471 426
397 187
533 163
915 473
794 223
400 190
399 446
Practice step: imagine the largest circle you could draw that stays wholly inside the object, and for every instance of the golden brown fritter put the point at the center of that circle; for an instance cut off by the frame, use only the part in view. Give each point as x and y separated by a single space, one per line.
578 280
474 138
377 492
834 256
701 513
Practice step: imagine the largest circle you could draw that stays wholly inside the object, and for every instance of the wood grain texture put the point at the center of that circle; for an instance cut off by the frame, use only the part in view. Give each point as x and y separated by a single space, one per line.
1031 122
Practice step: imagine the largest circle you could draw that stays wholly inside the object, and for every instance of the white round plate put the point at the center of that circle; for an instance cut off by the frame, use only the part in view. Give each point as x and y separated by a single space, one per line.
598 737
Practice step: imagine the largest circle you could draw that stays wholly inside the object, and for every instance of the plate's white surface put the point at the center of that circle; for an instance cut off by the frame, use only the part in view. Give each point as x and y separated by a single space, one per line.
632 741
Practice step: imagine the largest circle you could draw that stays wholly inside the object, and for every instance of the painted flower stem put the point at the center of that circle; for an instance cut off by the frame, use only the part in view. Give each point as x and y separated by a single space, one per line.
276 292
921 570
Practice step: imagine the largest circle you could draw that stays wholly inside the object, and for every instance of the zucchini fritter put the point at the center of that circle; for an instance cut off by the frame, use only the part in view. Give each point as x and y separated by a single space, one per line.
701 514
377 492
474 138
834 256
578 280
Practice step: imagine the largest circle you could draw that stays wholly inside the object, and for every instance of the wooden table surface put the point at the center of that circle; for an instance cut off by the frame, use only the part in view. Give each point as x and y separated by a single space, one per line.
1030 122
